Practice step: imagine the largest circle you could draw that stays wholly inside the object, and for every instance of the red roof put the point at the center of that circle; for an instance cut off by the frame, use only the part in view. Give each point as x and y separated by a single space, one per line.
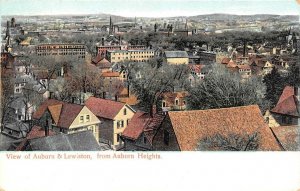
43 107
287 103
104 108
143 122
110 74
136 125
196 68
231 64
36 132
64 114
192 126
225 60
68 114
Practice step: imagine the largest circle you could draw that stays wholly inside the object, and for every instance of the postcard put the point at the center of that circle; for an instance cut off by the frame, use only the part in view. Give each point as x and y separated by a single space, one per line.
150 95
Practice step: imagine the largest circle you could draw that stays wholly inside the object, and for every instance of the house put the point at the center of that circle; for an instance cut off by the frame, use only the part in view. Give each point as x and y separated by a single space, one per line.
139 134
36 132
114 117
66 117
176 57
185 130
80 141
102 63
267 67
198 73
173 101
244 70
286 111
288 137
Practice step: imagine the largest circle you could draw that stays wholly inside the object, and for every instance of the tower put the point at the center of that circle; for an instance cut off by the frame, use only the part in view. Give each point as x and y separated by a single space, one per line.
7 34
111 26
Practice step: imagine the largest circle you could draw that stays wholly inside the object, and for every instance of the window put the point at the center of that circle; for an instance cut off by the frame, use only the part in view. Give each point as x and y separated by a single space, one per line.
120 124
125 111
87 118
166 137
81 119
127 122
176 101
164 104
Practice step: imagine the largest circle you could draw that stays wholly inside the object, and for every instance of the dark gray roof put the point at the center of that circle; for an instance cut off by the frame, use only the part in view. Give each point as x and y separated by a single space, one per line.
82 141
176 54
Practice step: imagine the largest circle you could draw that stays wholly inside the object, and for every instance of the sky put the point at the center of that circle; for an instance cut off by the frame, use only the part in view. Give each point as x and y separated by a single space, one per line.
149 8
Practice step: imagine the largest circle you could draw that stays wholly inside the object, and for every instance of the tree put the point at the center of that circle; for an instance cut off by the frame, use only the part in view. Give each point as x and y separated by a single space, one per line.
150 82
7 89
85 77
222 88
275 84
293 77
232 142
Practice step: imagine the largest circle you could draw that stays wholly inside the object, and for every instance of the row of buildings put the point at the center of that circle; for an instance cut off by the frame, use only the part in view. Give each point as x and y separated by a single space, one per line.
117 126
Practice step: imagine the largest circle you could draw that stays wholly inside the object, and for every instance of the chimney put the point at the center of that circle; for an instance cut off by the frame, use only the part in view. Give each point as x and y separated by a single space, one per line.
119 40
51 95
102 41
296 91
116 97
47 128
104 95
244 52
73 99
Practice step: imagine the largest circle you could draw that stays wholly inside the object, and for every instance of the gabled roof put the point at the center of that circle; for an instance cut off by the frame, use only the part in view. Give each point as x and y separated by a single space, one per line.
81 141
288 103
44 106
225 61
136 125
176 54
192 126
62 113
142 122
68 114
104 108
288 137
231 64
55 111
36 132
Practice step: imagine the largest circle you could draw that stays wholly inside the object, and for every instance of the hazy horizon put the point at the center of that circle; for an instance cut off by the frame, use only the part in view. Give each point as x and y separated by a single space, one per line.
148 8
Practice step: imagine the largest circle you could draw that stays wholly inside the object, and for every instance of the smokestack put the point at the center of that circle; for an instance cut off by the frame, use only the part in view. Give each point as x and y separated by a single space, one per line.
244 52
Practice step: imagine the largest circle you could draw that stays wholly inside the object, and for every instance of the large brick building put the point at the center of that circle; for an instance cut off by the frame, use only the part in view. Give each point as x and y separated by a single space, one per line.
63 50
